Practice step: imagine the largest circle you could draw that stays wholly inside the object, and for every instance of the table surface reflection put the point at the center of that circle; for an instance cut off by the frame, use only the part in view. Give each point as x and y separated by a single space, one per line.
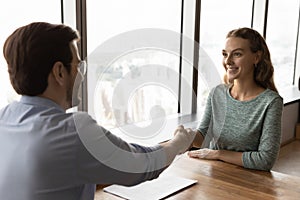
220 180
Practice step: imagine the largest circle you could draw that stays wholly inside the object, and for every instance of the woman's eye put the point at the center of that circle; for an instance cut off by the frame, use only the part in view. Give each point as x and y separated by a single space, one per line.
237 54
224 54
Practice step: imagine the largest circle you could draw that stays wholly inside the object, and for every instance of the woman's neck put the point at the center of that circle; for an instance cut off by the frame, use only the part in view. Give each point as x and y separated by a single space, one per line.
245 91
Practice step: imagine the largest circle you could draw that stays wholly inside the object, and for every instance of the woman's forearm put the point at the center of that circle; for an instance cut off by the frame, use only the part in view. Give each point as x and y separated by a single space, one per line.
230 157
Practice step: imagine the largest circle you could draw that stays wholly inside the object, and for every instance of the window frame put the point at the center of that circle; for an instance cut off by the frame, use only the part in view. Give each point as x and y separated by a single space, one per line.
190 27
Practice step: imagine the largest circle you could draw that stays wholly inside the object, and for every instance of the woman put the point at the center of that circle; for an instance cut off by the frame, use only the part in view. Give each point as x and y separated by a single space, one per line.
242 120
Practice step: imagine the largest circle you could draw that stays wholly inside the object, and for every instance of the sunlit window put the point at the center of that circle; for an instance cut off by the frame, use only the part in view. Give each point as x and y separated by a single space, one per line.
16 13
281 39
217 19
133 59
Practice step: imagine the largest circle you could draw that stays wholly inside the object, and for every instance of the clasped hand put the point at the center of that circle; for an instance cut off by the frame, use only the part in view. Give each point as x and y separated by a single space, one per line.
201 153
183 138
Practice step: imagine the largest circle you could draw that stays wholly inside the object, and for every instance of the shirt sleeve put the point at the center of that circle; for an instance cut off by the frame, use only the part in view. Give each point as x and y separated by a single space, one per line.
268 149
104 158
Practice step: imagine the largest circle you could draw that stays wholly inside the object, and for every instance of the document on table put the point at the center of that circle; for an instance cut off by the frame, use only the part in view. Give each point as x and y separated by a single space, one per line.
154 189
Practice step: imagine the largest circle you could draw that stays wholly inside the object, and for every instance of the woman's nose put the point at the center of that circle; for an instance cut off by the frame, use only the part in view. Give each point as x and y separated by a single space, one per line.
228 60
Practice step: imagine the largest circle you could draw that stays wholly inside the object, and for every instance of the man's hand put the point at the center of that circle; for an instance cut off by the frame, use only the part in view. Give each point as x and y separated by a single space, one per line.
180 143
183 139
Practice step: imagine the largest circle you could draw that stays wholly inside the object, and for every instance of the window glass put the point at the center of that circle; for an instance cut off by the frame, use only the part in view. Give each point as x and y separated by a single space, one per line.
281 38
217 19
133 59
16 13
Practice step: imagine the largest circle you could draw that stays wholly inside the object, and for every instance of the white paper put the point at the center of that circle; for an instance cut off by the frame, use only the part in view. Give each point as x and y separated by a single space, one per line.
155 189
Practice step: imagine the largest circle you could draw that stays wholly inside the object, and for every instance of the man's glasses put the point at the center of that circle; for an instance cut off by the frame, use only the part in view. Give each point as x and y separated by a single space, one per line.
82 67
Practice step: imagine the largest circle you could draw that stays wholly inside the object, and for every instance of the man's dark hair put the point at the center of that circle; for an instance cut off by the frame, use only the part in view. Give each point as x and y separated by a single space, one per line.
31 51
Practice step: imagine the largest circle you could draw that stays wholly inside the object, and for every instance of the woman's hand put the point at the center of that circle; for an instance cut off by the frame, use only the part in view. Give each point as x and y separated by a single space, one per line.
204 154
232 157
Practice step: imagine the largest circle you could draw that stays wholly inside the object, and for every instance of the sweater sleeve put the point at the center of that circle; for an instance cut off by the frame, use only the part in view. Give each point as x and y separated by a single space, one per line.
269 145
206 118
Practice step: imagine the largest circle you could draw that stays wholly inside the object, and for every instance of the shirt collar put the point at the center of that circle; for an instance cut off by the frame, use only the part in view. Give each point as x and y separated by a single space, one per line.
40 101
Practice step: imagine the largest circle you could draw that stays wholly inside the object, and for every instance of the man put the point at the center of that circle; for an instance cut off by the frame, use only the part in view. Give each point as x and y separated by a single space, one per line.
46 153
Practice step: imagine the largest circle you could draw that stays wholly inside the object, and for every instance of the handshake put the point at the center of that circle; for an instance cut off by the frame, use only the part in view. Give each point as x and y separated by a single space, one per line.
181 142
183 139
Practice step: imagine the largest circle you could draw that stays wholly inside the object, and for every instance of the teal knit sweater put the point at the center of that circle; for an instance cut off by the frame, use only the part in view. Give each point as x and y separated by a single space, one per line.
252 127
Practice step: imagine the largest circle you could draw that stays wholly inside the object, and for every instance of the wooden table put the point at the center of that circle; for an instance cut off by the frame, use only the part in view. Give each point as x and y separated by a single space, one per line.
220 180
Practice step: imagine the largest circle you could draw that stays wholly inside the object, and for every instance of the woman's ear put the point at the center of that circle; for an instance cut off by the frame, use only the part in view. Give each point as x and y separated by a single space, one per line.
258 57
58 72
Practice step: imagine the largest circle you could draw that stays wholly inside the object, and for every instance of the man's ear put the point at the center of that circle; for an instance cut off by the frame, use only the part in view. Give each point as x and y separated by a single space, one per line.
58 72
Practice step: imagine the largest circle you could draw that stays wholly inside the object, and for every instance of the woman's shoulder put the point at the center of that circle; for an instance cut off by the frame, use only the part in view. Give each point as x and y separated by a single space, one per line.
272 94
219 92
221 88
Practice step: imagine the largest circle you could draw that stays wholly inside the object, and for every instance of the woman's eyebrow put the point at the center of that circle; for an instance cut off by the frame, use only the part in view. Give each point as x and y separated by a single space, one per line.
237 49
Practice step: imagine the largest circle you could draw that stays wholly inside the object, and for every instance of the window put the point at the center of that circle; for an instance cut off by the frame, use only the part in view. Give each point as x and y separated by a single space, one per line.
282 27
217 19
10 13
133 59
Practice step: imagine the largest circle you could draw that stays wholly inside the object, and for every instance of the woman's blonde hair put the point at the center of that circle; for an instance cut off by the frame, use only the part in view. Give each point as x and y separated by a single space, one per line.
264 70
